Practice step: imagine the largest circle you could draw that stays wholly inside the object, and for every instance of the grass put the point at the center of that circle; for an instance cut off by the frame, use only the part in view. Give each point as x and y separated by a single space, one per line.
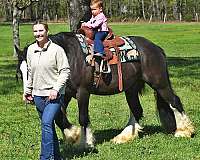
20 128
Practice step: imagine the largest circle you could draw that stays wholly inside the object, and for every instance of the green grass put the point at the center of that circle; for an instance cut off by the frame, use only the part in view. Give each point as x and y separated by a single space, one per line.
20 128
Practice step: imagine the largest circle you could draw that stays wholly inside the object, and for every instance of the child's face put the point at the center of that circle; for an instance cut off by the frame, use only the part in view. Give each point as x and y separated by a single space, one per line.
95 9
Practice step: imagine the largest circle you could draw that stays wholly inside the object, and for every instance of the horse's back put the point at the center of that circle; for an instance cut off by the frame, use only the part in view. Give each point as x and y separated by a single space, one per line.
144 44
153 62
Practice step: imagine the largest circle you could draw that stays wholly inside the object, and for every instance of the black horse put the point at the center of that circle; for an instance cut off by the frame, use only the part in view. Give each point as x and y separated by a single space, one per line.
150 69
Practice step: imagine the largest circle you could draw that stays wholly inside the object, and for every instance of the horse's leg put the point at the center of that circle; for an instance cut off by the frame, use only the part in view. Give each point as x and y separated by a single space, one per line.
132 128
133 101
172 115
87 139
155 73
70 132
170 108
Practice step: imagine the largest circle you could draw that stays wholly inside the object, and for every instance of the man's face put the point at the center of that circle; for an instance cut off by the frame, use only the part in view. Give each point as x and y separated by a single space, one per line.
40 33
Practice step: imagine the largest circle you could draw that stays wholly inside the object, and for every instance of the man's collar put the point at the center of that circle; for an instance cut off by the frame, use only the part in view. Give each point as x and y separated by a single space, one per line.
46 46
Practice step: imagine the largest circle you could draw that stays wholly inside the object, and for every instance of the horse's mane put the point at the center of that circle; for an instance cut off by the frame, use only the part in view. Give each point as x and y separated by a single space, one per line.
61 38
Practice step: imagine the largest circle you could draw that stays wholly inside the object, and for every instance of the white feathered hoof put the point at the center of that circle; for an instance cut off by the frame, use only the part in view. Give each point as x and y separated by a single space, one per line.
121 138
87 139
72 135
128 134
185 127
188 131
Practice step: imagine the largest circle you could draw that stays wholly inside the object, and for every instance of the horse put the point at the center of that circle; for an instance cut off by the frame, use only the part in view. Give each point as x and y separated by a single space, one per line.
151 69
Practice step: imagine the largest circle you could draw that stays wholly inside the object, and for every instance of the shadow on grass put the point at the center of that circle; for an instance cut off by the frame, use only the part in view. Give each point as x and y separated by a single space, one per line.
183 67
8 79
183 61
102 136
73 151
151 130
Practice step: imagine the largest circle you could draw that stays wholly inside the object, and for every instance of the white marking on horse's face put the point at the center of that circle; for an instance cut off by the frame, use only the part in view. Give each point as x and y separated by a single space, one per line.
24 69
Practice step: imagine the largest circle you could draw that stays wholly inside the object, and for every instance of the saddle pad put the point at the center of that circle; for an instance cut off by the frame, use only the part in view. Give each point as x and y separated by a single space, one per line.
128 52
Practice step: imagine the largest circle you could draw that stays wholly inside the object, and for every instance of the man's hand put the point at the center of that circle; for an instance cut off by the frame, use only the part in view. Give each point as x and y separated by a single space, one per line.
53 94
28 98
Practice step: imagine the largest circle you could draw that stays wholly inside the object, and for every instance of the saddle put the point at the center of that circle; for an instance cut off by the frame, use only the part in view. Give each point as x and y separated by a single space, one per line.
110 41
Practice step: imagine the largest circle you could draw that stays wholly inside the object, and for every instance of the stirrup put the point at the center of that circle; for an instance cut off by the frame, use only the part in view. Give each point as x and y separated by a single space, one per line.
104 67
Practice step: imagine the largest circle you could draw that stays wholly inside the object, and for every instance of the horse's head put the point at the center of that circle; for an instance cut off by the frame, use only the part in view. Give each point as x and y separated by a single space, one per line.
21 70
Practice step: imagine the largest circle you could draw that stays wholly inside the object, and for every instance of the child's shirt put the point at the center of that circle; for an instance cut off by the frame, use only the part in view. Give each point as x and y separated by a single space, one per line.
98 22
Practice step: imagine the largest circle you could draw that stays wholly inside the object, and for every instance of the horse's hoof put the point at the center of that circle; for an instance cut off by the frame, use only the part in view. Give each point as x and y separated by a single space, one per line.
128 134
185 127
72 135
87 139
122 139
188 133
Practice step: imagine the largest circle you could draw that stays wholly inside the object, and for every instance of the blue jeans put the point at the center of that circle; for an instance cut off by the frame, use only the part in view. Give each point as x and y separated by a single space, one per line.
48 110
98 41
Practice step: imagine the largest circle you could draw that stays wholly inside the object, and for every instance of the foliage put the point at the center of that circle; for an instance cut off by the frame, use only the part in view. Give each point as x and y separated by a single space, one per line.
20 132
123 10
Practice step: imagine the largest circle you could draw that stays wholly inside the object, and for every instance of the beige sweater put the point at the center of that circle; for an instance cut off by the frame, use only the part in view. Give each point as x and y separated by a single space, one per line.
48 68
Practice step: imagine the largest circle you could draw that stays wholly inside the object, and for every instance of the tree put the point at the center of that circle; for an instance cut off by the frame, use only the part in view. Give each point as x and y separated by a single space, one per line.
78 10
6 9
18 7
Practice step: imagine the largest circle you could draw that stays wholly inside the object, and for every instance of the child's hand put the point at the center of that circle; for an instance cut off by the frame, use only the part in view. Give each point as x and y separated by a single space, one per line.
83 24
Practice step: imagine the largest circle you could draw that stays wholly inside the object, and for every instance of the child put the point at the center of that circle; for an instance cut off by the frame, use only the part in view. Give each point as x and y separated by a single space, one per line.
98 23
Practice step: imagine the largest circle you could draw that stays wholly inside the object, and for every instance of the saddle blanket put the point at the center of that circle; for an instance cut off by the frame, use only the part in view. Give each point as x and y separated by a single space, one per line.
128 52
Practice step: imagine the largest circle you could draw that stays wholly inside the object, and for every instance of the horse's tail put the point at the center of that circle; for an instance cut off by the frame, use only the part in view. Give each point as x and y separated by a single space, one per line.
166 115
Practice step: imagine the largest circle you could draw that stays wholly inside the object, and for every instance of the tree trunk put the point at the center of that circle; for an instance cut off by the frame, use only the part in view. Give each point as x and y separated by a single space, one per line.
45 11
79 10
16 17
110 6
143 10
158 10
164 10
17 12
8 11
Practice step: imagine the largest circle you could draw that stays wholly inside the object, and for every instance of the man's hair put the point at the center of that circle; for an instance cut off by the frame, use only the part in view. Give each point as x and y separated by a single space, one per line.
98 3
43 23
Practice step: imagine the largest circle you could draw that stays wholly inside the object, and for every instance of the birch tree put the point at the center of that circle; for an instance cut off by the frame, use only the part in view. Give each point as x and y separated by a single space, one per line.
18 7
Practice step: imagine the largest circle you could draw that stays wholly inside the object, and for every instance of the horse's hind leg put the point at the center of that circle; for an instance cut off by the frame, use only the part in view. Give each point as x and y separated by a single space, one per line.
172 115
166 114
155 73
70 132
136 112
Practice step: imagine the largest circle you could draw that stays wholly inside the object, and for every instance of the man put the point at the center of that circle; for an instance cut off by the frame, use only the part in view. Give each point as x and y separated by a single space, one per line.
48 71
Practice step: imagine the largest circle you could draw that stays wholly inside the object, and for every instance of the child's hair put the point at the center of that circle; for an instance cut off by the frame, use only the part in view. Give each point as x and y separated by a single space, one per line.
98 3
43 23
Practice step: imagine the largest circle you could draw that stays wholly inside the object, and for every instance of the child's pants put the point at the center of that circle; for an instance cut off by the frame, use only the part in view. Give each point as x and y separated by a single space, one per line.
98 41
